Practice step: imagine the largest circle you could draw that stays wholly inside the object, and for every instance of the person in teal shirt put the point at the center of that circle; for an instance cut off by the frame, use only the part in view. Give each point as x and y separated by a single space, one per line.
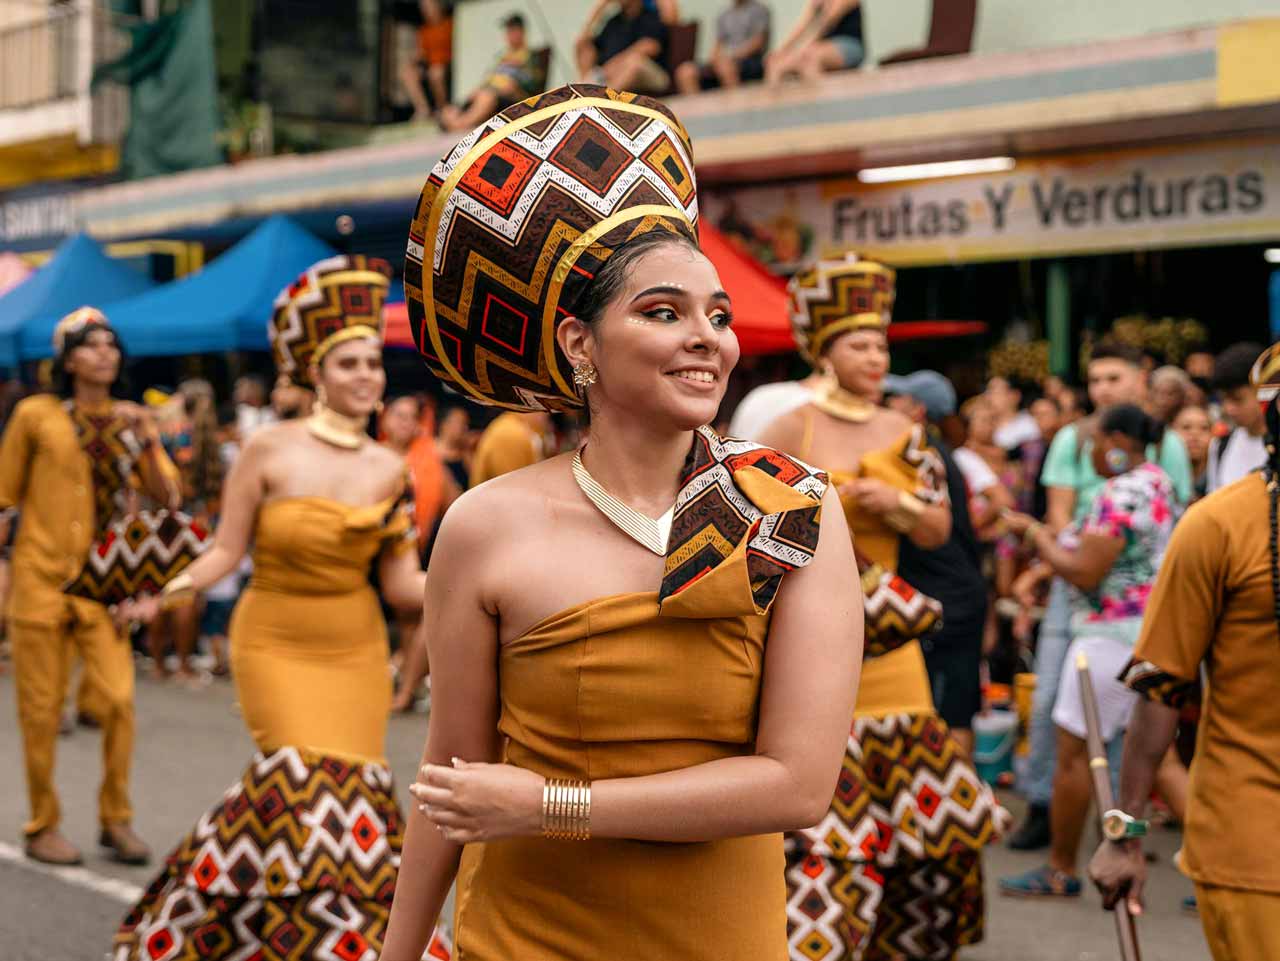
1116 376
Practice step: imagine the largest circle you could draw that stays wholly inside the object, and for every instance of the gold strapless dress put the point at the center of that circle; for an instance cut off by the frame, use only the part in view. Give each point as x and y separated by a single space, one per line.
894 870
298 860
612 689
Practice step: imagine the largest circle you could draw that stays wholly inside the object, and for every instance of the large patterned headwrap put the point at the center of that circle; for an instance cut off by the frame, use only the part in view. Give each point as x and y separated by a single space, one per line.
513 224
834 296
333 301
77 323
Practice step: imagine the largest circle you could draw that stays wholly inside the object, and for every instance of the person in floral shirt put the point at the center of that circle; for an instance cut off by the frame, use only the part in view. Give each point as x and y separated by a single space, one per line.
1110 560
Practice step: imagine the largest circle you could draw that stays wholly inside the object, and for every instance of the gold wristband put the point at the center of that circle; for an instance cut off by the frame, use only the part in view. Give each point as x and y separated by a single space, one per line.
907 514
180 589
1029 535
566 809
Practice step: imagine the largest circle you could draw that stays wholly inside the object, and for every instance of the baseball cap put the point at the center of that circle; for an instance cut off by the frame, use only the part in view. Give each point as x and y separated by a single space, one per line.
928 387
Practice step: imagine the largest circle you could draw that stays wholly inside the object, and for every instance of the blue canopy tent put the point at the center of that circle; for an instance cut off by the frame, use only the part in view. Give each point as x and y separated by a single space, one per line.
78 273
223 307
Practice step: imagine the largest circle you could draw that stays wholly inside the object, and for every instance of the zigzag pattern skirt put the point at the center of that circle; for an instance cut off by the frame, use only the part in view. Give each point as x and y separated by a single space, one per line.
894 871
297 862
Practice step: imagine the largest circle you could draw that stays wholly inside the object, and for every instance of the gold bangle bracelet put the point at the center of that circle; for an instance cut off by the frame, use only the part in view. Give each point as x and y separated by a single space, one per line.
907 514
566 809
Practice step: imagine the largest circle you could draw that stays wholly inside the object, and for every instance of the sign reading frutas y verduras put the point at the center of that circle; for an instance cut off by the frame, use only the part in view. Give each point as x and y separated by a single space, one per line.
1043 207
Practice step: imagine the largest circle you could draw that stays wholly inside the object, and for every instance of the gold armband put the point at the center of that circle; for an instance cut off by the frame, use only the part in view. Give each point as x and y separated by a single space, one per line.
907 514
566 809
178 591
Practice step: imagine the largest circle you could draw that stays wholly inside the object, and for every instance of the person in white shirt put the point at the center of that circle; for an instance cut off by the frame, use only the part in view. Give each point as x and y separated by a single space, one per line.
1014 425
764 404
1244 450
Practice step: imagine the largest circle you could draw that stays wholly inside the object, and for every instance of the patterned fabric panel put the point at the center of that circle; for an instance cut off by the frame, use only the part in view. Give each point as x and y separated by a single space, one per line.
894 611
905 790
929 467
515 222
328 299
140 554
113 451
713 517
835 296
297 862
1157 685
843 911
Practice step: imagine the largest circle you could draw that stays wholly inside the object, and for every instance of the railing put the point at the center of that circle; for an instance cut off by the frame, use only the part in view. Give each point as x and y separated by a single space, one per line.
38 59
47 55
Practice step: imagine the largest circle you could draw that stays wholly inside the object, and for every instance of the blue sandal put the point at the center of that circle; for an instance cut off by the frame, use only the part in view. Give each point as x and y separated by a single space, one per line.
1041 882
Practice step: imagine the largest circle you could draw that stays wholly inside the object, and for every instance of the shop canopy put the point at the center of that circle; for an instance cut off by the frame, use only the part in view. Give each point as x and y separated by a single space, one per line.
223 307
78 273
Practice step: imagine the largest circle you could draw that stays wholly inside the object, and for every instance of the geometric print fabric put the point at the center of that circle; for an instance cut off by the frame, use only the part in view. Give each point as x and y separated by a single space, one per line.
297 862
834 296
113 449
139 554
713 517
515 222
332 300
899 847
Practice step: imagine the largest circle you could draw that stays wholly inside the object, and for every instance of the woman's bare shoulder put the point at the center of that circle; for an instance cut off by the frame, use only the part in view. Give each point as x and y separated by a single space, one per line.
515 499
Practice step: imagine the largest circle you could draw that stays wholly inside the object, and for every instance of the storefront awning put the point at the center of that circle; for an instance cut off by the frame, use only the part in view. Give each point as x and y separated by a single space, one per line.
78 273
225 306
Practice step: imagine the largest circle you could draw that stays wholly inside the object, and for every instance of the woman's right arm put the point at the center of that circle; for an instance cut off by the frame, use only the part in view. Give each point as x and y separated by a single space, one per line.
463 643
801 27
241 498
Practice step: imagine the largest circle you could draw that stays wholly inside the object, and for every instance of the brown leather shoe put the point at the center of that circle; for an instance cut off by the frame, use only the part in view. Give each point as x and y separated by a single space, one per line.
51 846
125 846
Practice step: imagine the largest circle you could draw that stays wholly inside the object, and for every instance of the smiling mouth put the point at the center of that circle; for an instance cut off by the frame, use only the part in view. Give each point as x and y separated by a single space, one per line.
694 376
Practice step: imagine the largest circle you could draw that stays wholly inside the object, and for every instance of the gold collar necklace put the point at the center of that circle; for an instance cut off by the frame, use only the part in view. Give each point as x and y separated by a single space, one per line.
337 429
831 398
649 533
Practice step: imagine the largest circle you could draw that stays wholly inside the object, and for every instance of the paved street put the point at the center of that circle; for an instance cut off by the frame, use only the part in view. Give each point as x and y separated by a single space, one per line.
191 745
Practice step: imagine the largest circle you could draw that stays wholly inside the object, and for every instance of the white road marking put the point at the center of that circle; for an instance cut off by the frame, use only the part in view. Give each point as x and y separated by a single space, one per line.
81 877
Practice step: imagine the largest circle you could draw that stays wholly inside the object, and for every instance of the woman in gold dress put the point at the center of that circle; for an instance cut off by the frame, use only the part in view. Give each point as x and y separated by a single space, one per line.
641 619
297 862
893 871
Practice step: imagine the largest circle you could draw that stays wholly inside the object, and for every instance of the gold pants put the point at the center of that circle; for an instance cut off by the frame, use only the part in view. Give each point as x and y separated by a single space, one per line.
1240 925
41 662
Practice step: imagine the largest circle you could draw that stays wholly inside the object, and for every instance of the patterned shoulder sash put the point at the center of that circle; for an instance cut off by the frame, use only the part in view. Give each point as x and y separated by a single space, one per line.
745 516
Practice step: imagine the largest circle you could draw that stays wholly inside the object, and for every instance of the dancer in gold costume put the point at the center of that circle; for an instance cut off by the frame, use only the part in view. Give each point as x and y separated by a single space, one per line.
623 639
893 871
298 861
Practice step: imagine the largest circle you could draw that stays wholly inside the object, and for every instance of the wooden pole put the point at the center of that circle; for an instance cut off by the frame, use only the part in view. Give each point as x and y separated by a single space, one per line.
1100 771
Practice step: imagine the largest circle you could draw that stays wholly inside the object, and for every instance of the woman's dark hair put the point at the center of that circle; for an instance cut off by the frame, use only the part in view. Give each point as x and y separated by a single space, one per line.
1131 421
1271 473
62 381
612 277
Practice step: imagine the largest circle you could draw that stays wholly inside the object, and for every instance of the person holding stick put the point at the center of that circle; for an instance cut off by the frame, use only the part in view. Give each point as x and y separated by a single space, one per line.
1215 608
1121 542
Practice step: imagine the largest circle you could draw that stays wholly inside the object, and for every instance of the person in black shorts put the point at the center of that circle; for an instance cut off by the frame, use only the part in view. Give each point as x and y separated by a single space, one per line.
742 36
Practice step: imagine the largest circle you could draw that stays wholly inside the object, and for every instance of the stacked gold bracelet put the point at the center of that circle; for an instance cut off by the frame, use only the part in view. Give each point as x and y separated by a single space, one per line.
177 592
906 515
566 809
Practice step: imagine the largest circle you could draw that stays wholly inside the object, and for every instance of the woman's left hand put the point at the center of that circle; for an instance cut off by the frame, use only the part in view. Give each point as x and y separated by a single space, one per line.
480 802
875 495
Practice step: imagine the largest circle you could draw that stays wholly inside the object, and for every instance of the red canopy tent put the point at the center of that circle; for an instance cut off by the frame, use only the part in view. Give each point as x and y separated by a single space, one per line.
761 316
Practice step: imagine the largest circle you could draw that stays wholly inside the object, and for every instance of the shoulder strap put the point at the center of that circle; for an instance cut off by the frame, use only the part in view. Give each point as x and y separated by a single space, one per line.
806 435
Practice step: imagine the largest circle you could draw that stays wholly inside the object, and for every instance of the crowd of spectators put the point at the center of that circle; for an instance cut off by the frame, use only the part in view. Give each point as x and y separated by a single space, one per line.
630 45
